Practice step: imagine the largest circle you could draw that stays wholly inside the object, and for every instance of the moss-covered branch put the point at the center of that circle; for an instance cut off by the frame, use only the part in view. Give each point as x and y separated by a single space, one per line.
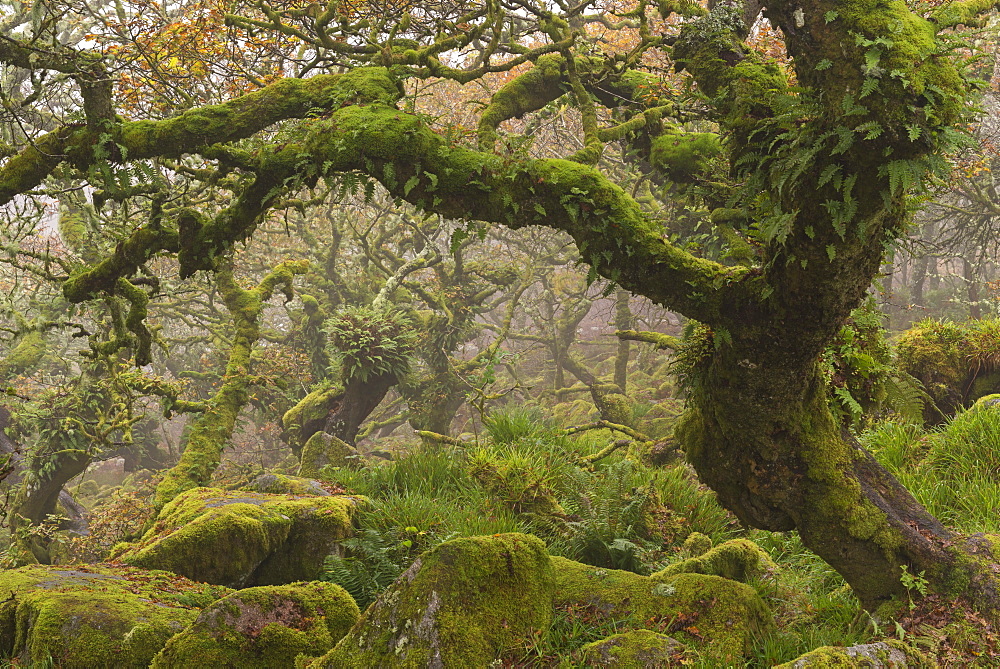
437 438
606 425
126 259
86 67
663 342
213 429
610 229
198 128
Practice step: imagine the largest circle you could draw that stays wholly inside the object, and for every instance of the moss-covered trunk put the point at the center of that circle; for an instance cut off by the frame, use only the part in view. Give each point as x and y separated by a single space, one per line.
434 399
353 407
212 430
761 434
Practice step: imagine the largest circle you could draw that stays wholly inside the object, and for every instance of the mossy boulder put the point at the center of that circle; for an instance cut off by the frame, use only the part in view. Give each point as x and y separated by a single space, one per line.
95 615
635 649
696 544
953 361
740 560
659 421
88 488
661 452
565 414
987 401
458 605
716 616
241 539
281 484
616 408
264 627
879 655
324 449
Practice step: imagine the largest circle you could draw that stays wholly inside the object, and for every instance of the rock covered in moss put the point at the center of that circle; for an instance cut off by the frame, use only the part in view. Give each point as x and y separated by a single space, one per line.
717 616
987 401
458 605
264 627
88 488
578 411
95 615
880 655
324 449
740 560
281 484
696 544
616 408
951 360
635 649
659 421
241 539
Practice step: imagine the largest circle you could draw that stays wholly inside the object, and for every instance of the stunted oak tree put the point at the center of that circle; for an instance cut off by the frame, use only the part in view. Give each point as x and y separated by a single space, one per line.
807 173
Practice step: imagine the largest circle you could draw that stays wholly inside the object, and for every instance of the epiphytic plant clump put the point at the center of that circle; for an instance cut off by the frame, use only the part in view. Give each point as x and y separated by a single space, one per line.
371 342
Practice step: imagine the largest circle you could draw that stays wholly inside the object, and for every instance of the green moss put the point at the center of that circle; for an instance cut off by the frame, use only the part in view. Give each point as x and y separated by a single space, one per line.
422 167
873 655
635 649
684 155
910 50
955 362
739 559
987 401
696 544
95 615
936 353
458 605
264 627
242 117
577 412
743 86
23 357
282 484
726 615
268 539
324 449
525 93
128 255
615 408
88 488
308 416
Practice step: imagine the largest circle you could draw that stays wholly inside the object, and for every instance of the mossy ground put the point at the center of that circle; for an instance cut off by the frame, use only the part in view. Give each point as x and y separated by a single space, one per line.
419 499
325 450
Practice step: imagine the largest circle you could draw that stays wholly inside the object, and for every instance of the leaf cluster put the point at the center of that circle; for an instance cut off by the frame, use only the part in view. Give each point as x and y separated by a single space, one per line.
369 342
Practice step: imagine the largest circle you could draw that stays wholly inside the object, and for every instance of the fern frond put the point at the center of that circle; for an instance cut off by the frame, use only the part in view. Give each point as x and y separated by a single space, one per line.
905 396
